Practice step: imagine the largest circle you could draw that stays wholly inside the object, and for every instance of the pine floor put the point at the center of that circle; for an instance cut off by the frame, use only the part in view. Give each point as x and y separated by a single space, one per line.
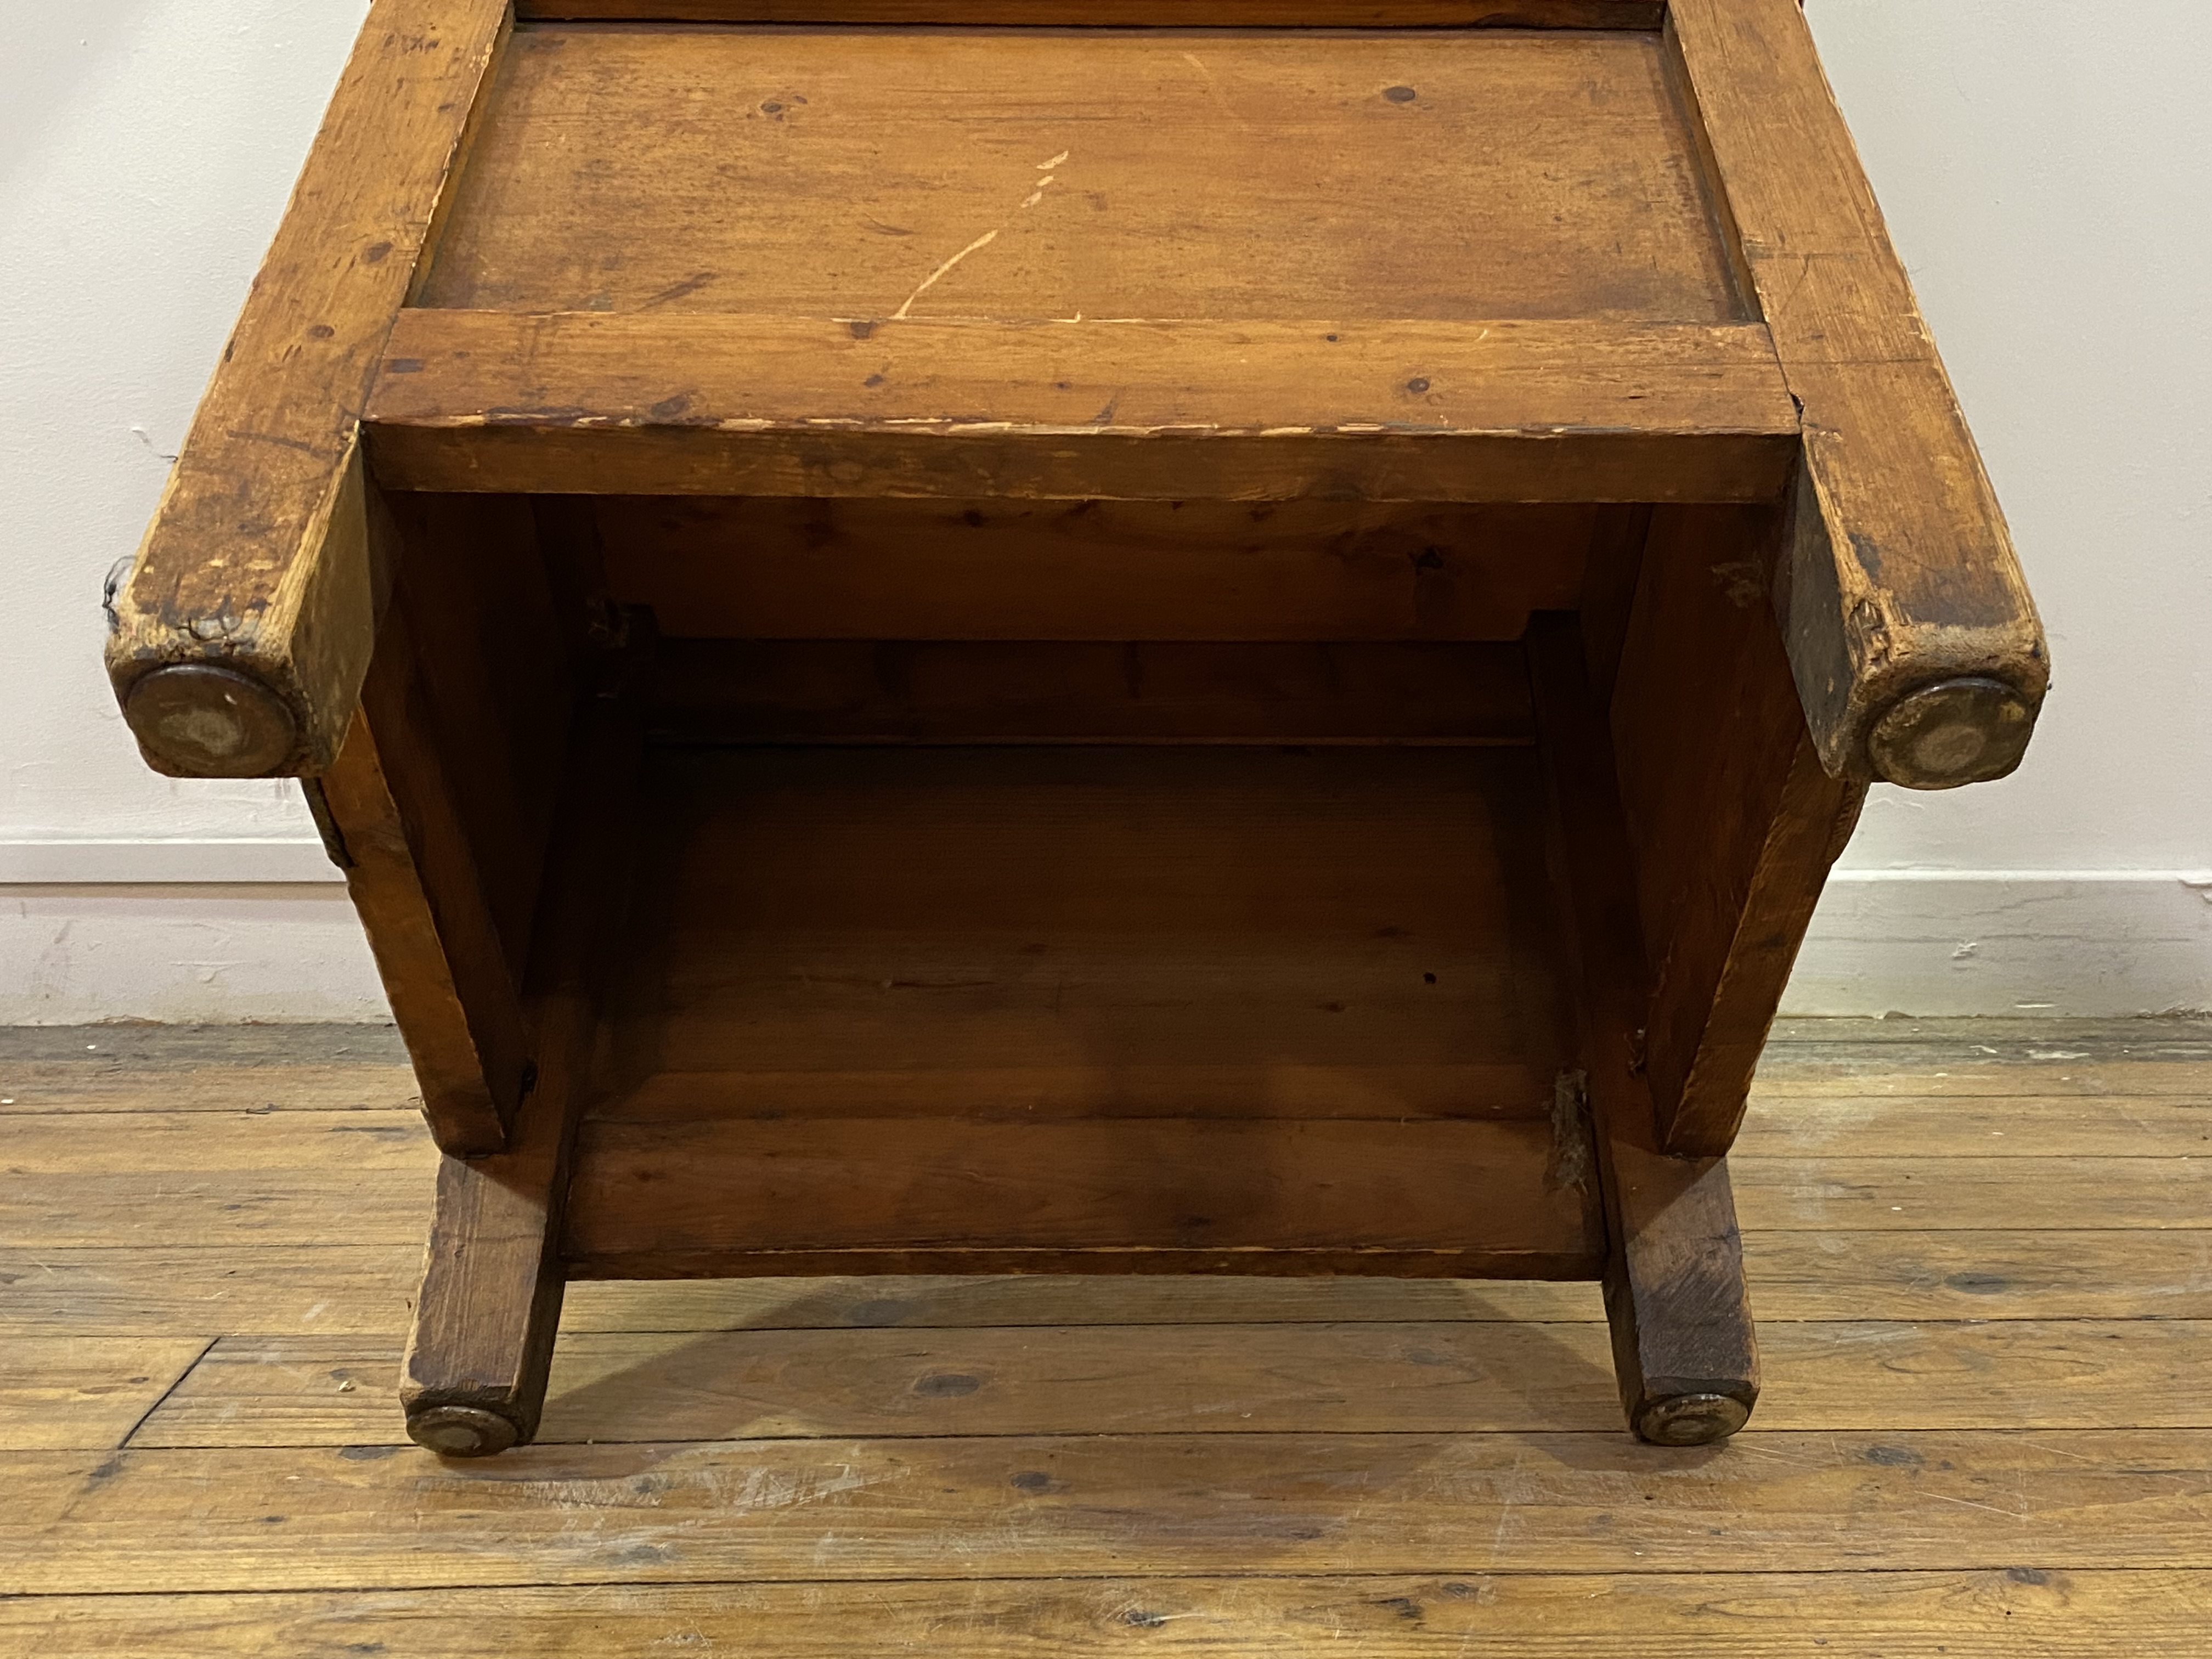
1981 1252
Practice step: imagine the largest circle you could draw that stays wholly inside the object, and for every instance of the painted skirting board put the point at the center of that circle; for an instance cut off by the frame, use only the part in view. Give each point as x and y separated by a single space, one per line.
2016 942
219 953
262 930
61 862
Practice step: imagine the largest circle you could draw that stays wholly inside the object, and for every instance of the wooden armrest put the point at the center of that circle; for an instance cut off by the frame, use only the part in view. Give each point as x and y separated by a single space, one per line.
238 643
1918 653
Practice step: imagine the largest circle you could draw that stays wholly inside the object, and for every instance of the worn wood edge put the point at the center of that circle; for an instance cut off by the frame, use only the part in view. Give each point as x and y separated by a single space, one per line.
309 644
743 405
299 623
1855 660
1568 469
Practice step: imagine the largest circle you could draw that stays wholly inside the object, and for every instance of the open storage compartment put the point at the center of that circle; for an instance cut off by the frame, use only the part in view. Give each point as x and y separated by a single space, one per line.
1235 639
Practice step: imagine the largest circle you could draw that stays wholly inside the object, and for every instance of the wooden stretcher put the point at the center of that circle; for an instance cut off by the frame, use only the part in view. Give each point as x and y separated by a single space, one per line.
977 636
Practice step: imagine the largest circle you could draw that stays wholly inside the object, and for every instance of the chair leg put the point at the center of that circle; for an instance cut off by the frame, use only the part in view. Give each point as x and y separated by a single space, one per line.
474 1380
1682 1341
1683 1347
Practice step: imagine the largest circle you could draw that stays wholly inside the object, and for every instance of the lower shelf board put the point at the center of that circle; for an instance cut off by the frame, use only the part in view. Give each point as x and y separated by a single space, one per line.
1403 1200
1090 1010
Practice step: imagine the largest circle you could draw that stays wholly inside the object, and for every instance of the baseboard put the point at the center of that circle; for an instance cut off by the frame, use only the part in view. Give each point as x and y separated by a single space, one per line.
2091 943
2060 943
216 953
59 862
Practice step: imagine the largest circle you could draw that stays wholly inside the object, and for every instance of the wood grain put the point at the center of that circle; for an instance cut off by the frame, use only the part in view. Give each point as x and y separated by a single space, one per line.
270 1180
1963 1078
1731 821
1201 174
494 710
943 1510
1161 932
1525 1616
1368 1376
1285 573
260 556
418 881
1892 1192
490 1301
1151 1195
1901 572
670 403
104 1091
877 692
1684 1354
1976 1614
180 1290
63 1393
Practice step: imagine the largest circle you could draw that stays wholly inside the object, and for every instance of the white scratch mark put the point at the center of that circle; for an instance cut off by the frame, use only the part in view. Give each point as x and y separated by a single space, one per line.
938 275
1046 167
1943 1498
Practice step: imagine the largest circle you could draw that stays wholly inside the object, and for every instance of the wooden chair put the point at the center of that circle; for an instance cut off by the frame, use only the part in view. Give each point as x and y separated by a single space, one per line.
978 636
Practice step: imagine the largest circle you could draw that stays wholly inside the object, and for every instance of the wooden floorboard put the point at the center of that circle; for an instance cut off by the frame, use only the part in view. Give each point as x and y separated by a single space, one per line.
2015 1613
1981 1252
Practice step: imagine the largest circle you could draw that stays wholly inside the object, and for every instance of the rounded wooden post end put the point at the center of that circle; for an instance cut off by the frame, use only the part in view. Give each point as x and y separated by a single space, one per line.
1691 1420
200 721
461 1430
1953 732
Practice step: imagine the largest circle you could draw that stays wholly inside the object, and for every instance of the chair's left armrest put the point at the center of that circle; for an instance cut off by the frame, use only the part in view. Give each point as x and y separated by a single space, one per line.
238 643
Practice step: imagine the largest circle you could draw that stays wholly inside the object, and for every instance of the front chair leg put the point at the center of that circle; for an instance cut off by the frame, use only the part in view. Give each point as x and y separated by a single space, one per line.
1683 1348
474 1382
1682 1342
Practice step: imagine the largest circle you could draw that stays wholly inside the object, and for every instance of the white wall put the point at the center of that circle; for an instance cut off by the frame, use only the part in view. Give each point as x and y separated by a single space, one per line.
2045 175
2044 178
146 149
